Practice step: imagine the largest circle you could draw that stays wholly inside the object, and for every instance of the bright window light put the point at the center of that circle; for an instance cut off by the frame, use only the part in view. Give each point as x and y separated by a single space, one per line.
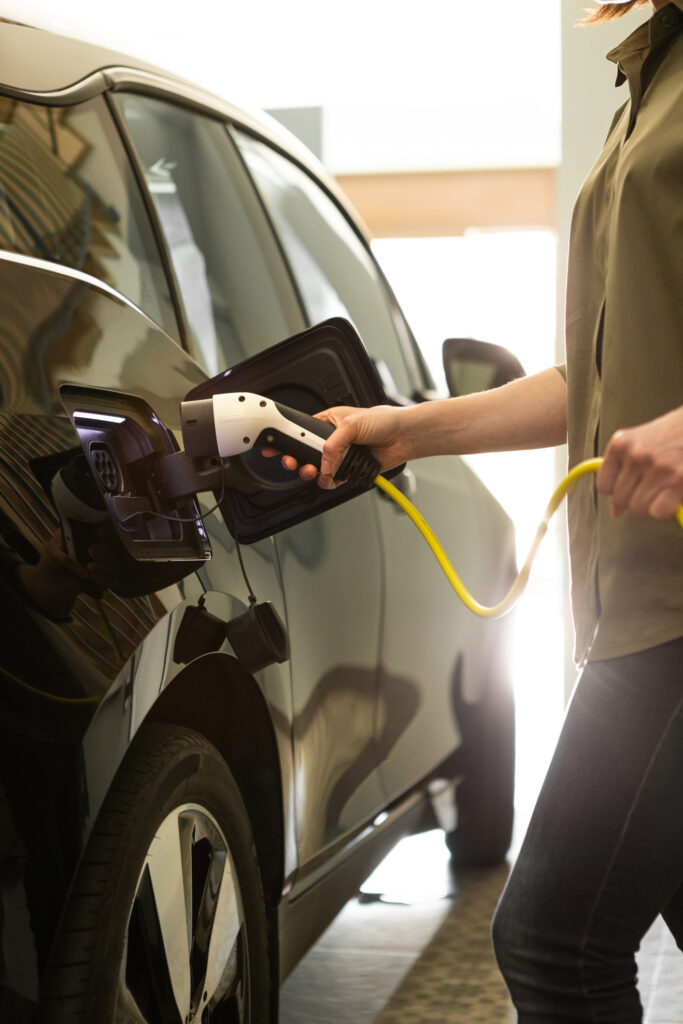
500 287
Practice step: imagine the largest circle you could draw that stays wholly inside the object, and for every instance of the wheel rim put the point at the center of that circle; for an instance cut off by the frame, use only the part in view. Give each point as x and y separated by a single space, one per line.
185 956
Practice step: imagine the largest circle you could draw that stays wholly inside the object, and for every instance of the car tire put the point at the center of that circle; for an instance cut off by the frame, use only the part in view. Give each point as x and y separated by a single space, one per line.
167 918
486 763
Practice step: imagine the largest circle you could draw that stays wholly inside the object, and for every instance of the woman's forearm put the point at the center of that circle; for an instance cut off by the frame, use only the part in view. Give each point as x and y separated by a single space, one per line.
527 413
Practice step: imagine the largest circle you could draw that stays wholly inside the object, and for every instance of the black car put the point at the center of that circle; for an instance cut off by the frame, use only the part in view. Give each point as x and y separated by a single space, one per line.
212 737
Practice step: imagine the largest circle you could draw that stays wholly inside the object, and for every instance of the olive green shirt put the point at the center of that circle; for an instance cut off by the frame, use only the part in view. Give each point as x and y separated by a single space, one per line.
624 341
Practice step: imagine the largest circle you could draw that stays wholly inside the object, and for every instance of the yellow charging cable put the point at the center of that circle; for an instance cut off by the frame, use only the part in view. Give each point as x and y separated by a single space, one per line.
118 657
42 693
519 585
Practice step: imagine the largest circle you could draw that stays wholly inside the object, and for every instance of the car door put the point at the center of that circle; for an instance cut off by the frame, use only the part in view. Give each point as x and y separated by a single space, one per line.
239 300
429 641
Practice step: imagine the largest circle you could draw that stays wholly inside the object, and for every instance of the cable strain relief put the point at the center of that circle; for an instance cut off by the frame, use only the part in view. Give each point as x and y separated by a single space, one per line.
358 467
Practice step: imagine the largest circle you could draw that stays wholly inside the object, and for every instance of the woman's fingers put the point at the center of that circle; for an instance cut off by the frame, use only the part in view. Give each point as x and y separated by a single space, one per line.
642 472
378 428
307 472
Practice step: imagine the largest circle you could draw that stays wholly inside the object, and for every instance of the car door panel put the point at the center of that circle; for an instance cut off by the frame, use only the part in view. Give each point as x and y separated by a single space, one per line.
429 636
331 576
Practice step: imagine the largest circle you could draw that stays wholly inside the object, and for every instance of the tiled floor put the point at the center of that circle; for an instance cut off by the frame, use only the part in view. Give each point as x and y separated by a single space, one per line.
364 956
421 954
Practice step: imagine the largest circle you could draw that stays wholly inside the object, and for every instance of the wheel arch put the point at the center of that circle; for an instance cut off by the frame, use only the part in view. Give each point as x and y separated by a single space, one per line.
216 697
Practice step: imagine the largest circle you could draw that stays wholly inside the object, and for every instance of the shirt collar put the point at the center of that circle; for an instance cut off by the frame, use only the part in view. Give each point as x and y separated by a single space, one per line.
660 26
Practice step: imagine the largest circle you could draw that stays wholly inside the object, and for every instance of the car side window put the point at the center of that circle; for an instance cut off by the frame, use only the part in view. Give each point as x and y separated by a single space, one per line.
335 273
232 280
69 195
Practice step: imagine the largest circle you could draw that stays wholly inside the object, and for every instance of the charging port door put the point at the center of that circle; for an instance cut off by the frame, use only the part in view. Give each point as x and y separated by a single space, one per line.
324 366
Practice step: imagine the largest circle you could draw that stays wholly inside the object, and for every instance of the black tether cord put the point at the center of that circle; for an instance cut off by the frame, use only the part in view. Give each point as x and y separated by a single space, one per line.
227 513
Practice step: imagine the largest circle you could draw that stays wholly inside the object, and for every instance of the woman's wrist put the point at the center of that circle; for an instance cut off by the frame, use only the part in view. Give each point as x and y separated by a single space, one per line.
54 603
431 428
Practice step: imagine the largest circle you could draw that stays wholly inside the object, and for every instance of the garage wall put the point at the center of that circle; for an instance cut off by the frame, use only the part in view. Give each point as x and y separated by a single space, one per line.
435 204
446 202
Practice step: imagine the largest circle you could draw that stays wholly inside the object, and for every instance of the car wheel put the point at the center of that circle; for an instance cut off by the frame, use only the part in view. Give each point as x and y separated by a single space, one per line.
166 923
486 763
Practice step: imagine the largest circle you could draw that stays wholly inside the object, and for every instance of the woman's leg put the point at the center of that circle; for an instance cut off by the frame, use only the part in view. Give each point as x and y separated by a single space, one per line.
603 854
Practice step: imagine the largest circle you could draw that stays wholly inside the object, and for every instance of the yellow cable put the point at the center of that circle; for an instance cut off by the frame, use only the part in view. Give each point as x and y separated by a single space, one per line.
483 611
519 585
47 696
118 656
71 700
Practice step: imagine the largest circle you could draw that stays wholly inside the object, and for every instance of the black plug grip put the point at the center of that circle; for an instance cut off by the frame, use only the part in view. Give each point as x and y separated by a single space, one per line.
358 466
302 419
305 455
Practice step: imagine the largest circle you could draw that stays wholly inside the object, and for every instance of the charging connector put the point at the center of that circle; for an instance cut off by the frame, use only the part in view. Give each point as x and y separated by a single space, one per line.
232 424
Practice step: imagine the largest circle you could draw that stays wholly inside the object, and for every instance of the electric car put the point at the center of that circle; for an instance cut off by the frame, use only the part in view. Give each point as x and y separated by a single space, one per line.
226 693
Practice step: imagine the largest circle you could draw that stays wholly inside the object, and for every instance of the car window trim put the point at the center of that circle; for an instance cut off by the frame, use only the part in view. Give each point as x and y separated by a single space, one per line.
85 89
176 99
277 241
416 368
155 224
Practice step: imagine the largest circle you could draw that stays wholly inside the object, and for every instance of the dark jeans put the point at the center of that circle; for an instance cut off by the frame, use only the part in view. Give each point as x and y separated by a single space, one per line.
603 855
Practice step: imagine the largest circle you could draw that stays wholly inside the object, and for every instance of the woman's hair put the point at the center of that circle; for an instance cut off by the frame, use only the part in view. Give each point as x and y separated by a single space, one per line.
607 11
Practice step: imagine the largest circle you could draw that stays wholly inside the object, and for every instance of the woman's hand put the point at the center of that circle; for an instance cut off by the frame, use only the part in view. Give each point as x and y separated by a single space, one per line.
55 581
382 428
643 468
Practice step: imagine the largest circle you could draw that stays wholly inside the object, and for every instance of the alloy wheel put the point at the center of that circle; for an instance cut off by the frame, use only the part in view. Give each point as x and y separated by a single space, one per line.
185 956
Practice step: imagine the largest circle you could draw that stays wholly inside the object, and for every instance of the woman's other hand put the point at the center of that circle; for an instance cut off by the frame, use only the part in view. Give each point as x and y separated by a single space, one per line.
643 468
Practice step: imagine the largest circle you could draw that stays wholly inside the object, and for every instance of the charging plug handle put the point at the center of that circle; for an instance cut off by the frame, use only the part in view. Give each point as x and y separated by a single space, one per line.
357 467
234 423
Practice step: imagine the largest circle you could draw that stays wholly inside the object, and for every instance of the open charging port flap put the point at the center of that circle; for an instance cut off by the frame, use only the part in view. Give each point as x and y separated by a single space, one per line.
124 443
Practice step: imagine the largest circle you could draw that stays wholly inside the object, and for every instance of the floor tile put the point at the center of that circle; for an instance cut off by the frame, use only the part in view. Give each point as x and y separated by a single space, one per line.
342 986
392 927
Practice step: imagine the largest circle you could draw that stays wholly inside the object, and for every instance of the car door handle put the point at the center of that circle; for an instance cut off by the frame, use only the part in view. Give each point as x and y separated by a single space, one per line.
404 482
